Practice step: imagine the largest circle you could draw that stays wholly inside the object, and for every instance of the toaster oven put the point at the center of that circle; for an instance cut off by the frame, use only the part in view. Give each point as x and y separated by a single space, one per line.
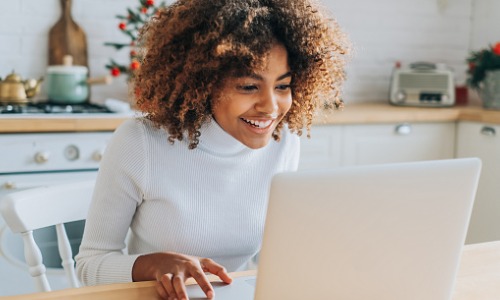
422 84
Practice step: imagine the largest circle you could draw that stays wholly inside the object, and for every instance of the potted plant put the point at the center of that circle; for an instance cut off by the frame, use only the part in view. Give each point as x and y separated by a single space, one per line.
484 74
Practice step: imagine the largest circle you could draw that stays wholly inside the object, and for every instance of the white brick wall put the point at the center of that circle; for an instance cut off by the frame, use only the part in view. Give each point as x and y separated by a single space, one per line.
382 31
486 23
386 31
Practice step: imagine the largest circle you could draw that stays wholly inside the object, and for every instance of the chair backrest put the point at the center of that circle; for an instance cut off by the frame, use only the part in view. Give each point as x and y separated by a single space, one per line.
40 207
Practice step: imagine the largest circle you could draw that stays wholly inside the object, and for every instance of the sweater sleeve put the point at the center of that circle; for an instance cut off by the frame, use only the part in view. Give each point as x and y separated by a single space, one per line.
102 257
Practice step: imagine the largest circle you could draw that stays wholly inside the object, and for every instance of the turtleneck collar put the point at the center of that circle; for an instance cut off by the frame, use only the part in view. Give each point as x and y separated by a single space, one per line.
217 141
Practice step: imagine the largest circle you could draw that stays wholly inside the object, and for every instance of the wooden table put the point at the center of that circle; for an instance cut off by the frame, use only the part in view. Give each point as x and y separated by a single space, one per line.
478 279
479 274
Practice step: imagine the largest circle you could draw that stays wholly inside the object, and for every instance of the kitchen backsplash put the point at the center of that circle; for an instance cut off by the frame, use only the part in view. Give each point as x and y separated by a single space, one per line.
382 32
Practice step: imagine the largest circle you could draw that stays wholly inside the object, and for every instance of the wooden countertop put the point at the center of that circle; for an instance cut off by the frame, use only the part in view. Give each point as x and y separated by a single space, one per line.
356 113
478 278
366 113
60 124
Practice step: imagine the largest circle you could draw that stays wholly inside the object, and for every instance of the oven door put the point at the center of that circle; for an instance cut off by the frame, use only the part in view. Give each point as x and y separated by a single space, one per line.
14 275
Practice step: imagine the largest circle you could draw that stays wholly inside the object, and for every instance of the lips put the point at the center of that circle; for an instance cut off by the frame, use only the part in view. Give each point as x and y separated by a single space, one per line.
258 123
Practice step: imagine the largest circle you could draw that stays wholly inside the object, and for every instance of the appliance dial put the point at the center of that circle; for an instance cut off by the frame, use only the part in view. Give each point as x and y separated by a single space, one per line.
97 155
9 185
42 157
71 152
401 96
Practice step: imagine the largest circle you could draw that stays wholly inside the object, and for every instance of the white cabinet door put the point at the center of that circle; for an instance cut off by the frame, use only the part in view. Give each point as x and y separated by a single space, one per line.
322 150
483 141
403 142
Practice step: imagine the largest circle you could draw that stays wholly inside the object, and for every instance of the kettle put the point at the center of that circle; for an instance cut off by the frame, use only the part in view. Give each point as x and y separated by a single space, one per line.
15 90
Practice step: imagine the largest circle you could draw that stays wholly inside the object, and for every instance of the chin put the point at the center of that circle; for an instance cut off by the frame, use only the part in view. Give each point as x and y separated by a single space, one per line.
256 144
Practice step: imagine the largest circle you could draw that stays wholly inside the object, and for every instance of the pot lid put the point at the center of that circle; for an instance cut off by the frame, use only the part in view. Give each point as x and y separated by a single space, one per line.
67 67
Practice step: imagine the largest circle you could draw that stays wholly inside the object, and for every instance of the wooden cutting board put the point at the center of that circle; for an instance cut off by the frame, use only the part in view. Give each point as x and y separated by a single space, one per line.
66 37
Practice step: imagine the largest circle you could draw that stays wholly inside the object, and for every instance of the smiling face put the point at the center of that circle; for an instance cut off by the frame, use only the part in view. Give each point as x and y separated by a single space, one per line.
250 107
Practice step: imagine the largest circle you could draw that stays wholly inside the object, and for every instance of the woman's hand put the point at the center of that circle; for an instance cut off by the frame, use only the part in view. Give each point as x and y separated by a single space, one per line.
171 270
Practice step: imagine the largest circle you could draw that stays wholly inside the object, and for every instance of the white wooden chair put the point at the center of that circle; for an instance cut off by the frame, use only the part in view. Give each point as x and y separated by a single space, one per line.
36 208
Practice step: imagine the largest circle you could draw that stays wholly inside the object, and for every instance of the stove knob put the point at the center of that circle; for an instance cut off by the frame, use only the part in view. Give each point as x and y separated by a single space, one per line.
71 153
9 185
97 155
42 157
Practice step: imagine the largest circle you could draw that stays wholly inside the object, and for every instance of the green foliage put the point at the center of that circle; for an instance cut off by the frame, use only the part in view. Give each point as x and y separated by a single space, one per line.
482 61
130 25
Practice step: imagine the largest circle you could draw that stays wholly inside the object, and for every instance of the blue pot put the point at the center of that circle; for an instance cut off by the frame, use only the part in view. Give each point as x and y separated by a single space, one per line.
67 84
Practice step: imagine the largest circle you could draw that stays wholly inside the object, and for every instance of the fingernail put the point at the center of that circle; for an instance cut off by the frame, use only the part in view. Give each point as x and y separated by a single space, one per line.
210 294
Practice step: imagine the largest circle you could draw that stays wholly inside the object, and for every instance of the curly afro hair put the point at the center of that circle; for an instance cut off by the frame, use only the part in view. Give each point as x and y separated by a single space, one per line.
191 46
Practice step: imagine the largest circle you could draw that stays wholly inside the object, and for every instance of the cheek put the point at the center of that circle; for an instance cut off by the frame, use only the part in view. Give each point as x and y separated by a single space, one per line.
285 104
226 109
220 105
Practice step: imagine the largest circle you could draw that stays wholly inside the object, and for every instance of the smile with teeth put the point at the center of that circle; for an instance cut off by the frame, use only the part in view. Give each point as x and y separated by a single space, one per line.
258 124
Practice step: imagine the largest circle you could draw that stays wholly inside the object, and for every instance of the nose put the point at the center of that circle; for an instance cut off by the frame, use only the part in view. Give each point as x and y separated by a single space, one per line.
268 103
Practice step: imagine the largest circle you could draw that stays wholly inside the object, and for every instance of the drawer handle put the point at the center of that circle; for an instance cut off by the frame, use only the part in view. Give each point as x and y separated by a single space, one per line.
403 129
488 131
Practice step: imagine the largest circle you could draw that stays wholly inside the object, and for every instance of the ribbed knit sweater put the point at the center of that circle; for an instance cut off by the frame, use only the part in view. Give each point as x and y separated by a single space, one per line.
153 196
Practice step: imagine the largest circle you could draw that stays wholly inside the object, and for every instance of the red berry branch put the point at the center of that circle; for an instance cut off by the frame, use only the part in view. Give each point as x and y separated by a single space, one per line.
130 25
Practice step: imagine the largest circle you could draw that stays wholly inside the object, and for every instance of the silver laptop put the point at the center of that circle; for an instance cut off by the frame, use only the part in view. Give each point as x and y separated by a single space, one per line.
392 231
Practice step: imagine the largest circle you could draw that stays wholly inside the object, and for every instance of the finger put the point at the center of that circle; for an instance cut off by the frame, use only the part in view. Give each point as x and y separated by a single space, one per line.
216 269
203 282
179 287
161 291
166 282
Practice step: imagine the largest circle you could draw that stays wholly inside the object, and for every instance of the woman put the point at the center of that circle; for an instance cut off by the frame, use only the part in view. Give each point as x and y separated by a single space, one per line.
226 87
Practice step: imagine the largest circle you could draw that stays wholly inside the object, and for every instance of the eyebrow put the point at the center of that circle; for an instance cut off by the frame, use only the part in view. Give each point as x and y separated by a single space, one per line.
258 77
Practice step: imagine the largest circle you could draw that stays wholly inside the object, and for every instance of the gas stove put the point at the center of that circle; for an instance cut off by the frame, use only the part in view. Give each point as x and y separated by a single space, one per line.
53 108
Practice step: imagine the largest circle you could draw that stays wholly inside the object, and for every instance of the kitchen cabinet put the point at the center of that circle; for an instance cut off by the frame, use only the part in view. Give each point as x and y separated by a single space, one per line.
323 149
363 144
397 142
476 139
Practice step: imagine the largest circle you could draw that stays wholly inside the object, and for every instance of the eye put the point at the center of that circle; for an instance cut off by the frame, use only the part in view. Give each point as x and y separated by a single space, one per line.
247 87
283 87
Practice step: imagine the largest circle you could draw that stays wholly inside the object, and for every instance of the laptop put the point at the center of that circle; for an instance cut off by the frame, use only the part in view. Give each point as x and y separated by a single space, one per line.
391 231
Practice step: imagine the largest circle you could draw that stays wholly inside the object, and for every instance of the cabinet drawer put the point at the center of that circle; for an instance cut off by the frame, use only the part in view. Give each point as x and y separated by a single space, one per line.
323 149
399 142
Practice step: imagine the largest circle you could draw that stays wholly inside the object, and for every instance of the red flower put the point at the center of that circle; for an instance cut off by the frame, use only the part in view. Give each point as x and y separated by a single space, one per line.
150 2
134 65
133 53
122 26
496 48
115 72
144 9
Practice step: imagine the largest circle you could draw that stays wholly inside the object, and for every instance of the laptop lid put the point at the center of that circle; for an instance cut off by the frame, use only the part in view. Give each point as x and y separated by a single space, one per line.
392 231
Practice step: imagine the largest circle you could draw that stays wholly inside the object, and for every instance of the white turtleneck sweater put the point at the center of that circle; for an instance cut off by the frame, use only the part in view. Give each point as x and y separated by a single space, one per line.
207 202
